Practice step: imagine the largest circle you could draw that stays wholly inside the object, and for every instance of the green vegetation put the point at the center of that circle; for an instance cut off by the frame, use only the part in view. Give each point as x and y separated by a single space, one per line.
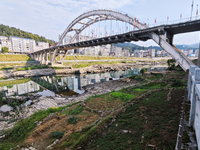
9 57
13 82
142 119
17 134
11 31
154 85
122 96
178 83
4 49
57 135
72 120
143 70
33 67
171 62
77 110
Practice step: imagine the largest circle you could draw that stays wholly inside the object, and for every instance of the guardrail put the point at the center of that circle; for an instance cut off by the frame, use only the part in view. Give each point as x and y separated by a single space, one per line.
194 98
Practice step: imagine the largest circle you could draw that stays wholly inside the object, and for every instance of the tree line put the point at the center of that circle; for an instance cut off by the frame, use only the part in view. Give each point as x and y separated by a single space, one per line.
12 31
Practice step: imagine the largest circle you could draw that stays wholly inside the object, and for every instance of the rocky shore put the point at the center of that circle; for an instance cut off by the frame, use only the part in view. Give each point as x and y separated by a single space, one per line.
91 69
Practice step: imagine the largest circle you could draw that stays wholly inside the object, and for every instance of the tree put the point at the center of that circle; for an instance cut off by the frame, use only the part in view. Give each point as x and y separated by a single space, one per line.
4 49
143 70
171 62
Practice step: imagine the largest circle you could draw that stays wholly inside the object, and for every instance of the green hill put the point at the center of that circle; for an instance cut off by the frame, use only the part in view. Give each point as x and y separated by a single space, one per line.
12 31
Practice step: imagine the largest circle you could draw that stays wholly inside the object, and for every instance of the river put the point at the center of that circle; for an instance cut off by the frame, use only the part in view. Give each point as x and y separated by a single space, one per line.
62 85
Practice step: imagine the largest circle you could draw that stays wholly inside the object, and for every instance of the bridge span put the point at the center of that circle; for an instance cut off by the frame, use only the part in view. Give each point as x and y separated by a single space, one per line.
162 35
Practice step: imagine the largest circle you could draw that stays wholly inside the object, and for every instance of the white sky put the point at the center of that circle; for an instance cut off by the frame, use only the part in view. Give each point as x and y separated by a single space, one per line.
50 17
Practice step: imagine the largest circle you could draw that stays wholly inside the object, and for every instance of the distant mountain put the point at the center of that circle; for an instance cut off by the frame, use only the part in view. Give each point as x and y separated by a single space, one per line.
11 31
184 46
133 47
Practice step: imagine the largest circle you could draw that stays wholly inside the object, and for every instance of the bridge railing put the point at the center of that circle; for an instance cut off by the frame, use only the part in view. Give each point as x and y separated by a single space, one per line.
181 20
194 98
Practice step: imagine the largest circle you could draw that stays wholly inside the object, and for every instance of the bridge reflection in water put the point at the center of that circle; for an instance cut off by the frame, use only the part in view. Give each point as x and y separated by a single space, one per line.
65 85
72 85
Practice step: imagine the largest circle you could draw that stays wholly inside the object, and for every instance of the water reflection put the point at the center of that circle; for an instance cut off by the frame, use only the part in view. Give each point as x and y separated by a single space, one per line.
67 85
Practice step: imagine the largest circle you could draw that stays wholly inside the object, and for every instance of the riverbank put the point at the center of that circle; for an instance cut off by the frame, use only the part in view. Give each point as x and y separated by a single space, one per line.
76 69
106 107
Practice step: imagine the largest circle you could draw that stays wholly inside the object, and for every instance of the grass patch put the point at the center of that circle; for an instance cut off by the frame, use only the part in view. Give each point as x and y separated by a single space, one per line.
154 85
77 110
10 57
13 82
122 96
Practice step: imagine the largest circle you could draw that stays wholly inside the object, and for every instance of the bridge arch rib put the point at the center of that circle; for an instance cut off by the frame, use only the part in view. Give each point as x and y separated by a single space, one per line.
102 15
161 38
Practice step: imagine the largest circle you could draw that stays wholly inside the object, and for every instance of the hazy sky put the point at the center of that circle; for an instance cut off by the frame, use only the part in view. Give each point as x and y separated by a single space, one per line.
50 17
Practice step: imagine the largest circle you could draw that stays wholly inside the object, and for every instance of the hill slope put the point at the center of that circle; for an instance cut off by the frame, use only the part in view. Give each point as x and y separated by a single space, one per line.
12 31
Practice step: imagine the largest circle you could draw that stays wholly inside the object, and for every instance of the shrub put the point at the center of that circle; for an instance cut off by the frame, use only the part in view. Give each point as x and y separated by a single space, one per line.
72 120
143 70
171 62
57 134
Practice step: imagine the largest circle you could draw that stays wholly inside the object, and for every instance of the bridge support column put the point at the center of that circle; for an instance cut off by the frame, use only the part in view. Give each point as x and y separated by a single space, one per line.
46 58
37 56
42 58
54 56
34 56
175 53
50 57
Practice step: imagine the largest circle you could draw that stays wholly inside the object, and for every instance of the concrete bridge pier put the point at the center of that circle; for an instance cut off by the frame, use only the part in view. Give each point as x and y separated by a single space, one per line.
42 58
46 58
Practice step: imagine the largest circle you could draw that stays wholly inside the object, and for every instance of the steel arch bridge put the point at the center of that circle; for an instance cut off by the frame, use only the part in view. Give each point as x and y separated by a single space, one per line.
162 35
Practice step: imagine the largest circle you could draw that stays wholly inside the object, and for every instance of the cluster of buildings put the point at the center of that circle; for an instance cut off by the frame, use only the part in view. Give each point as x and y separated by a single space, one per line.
150 53
21 45
191 52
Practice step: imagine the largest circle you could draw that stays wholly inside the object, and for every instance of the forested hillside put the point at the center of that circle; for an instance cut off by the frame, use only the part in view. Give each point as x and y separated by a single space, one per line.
11 31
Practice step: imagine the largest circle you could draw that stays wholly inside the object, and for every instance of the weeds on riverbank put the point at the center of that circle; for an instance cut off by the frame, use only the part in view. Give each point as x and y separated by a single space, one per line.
143 125
16 135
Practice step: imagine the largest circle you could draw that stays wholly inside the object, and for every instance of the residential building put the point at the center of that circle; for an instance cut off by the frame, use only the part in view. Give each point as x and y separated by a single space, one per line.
126 53
6 43
41 45
196 53
117 50
138 53
152 52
